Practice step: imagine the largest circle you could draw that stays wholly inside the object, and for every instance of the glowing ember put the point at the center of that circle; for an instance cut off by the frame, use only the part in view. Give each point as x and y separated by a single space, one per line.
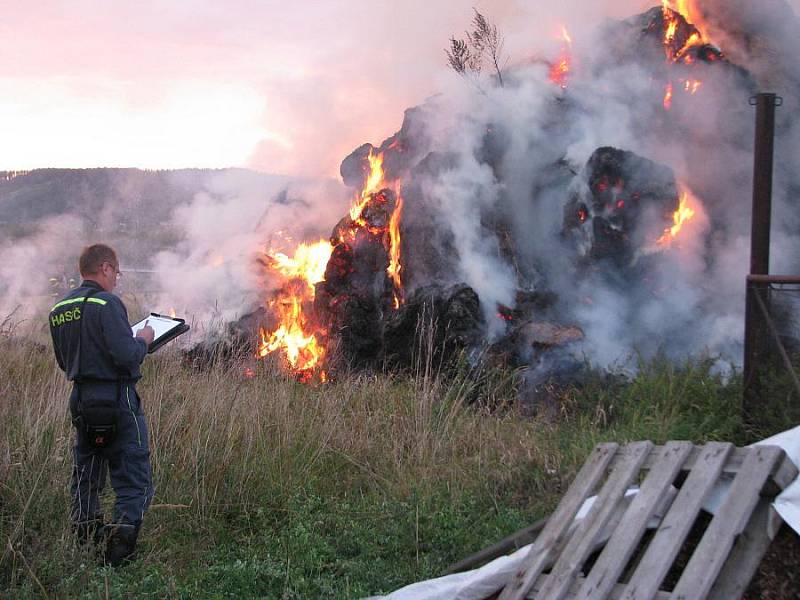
679 218
692 85
560 71
505 313
668 97
296 337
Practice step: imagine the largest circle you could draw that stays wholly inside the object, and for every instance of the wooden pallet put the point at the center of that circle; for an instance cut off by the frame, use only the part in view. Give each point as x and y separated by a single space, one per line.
724 560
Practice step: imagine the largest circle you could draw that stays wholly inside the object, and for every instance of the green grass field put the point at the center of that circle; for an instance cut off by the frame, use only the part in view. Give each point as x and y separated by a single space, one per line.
267 488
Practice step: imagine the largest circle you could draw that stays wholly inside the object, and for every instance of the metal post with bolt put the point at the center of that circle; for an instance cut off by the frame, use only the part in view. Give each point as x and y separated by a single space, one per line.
755 327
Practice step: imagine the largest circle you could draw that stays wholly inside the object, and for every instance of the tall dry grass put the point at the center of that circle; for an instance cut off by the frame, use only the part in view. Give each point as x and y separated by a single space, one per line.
229 451
223 443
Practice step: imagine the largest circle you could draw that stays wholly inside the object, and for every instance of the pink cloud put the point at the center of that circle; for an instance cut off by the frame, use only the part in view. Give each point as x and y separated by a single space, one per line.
332 74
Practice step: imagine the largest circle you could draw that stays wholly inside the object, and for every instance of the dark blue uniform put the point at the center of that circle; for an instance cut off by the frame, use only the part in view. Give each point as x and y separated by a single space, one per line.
109 367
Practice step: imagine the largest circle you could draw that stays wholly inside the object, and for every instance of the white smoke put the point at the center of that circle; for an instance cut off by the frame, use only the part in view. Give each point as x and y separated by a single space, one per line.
212 273
27 264
692 299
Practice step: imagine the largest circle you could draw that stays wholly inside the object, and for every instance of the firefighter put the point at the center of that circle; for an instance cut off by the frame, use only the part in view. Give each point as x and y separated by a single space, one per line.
98 352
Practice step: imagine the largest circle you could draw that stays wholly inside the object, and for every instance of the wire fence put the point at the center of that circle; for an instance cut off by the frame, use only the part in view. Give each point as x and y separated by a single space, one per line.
772 386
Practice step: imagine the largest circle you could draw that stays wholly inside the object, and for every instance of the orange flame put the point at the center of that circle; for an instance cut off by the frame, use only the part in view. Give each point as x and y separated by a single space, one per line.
686 9
395 267
374 184
308 263
296 335
673 11
298 346
679 218
689 11
560 70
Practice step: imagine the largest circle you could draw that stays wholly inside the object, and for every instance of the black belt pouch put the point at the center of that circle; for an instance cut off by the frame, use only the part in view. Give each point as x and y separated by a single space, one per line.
99 416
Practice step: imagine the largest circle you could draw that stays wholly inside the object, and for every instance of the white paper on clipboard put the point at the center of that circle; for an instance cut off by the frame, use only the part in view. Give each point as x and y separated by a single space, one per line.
161 325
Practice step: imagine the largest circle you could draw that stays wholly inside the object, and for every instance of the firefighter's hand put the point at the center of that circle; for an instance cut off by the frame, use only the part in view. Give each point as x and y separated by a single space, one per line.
147 334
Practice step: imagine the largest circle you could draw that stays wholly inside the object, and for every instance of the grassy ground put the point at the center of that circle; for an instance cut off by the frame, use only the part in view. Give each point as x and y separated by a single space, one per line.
267 488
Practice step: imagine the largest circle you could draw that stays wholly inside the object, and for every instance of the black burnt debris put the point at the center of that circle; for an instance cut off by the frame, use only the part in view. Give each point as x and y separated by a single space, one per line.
435 325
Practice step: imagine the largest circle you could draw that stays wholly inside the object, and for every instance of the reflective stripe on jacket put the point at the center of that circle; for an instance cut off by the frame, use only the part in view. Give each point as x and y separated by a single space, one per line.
109 351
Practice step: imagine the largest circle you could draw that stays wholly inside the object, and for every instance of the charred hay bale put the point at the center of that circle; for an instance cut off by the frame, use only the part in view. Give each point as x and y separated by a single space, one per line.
400 151
238 341
428 246
621 202
378 210
682 56
355 167
356 322
436 323
357 268
640 39
351 301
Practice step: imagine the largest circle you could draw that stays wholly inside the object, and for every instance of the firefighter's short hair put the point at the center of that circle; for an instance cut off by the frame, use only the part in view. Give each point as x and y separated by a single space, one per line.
93 257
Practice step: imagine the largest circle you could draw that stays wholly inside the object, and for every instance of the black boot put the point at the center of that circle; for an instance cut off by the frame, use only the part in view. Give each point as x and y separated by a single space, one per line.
120 544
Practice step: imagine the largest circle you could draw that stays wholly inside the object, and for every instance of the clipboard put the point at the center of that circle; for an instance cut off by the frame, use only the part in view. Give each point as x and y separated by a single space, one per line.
166 329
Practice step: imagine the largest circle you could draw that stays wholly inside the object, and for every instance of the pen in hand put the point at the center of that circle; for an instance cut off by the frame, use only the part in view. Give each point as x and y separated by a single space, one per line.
146 333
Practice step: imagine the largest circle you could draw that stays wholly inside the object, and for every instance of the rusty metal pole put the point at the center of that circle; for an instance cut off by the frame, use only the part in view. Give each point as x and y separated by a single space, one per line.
755 331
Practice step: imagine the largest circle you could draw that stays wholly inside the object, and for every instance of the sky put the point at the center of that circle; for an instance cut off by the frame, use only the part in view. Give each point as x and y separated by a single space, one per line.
282 87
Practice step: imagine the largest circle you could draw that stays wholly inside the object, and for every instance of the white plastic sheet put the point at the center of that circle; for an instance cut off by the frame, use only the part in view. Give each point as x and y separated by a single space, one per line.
787 504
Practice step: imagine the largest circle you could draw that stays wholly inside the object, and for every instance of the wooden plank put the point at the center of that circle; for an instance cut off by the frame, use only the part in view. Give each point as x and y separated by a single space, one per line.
620 548
732 465
552 537
783 476
580 545
745 557
616 592
730 520
512 543
677 523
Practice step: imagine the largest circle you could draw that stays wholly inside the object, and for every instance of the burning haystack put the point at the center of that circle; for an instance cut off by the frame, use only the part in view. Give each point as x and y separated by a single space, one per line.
594 206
